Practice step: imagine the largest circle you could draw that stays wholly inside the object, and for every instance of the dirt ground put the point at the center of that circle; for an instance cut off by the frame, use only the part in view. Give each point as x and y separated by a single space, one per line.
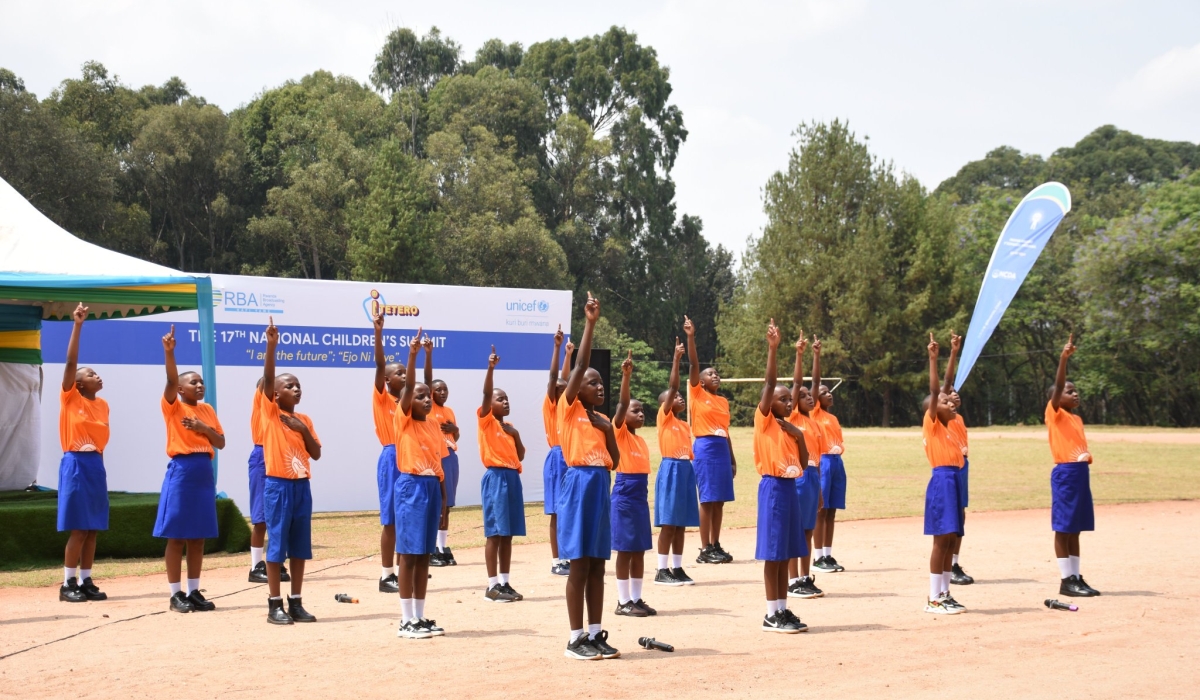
869 636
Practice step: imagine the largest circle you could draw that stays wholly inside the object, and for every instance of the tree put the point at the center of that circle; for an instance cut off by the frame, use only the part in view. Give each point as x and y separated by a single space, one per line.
407 68
510 108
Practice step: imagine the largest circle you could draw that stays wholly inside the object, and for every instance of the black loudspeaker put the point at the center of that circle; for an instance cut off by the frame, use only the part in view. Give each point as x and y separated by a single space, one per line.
601 361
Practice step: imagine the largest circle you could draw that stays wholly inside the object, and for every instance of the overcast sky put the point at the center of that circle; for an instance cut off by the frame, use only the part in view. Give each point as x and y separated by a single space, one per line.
933 84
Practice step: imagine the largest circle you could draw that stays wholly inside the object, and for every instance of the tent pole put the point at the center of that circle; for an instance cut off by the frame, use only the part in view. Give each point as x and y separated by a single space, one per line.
208 351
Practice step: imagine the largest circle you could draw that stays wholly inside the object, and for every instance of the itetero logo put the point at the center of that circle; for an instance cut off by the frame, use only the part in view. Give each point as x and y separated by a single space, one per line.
376 304
539 306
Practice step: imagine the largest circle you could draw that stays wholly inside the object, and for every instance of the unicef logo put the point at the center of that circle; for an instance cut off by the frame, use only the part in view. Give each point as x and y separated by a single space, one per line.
543 306
539 306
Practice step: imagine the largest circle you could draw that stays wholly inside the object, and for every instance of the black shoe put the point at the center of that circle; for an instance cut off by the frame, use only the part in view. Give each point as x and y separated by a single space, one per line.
561 568
283 574
438 559
509 590
1074 587
497 594
1091 591
630 609
259 573
448 557
809 583
600 641
949 601
664 577
297 612
390 584
432 626
708 555
199 602
91 592
778 622
275 613
70 592
180 603
582 650
795 621
681 576
413 629
642 604
825 564
834 563
960 577
720 554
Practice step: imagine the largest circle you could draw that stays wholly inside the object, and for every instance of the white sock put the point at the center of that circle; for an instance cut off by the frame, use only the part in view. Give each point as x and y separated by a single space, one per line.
503 578
935 586
955 559
1074 564
280 599
257 555
174 587
623 591
576 634
68 574
406 609
293 596
676 561
792 581
770 608
781 604
635 589
193 585
442 537
492 581
827 551
87 573
946 575
593 630
1064 567
396 569
384 572
662 561
419 608
554 561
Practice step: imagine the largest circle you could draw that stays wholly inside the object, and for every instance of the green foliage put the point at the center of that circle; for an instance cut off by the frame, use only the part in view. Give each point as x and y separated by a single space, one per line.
650 377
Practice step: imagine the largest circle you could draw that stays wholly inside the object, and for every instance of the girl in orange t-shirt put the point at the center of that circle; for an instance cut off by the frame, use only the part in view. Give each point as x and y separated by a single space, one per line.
833 480
958 428
82 480
389 382
443 416
630 509
676 507
801 584
943 512
713 461
187 504
555 466
501 451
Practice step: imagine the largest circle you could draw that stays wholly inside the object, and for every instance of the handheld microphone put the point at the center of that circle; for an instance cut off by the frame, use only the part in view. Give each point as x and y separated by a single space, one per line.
650 643
344 598
1055 605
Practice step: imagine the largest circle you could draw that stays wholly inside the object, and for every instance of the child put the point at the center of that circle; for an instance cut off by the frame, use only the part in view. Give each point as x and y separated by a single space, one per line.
675 504
833 480
959 429
187 504
808 487
714 463
779 452
418 497
554 467
443 416
501 451
1071 510
289 442
630 514
82 480
583 505
258 481
942 508
389 381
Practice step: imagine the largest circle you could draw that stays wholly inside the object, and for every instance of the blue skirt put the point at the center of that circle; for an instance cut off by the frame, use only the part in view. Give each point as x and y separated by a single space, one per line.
450 471
780 536
833 482
1071 508
552 476
675 494
631 513
714 469
584 509
418 502
288 504
82 492
943 512
187 506
258 481
963 492
808 491
386 472
503 503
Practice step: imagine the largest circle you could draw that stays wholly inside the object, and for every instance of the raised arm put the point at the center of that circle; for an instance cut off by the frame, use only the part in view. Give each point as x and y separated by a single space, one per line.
487 383
268 385
552 386
798 372
427 345
1060 378
693 357
623 402
410 377
673 385
171 392
768 393
934 387
816 370
69 370
591 313
955 346
380 360
566 363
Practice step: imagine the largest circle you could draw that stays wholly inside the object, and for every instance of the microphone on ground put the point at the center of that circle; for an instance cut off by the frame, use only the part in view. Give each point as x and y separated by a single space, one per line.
344 598
651 643
1055 605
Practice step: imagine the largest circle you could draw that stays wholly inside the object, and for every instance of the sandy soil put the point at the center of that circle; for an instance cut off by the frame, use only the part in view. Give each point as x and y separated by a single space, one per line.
869 635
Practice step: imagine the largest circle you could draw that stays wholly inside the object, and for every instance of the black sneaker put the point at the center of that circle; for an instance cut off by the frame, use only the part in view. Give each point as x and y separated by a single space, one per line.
834 563
778 622
199 602
795 621
708 555
793 590
1091 591
497 594
297 612
448 557
664 577
960 577
582 650
413 629
90 591
259 573
390 584
823 564
70 592
642 604
436 559
509 590
809 584
720 554
1073 587
275 613
180 603
561 568
949 601
630 609
600 642
283 574
681 576
431 625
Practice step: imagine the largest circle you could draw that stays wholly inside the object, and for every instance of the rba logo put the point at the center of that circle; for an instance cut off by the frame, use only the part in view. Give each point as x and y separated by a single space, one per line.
1004 274
376 305
540 306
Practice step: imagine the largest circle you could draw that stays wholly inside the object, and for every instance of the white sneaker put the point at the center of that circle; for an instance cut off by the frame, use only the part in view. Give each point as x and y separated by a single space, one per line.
940 607
413 630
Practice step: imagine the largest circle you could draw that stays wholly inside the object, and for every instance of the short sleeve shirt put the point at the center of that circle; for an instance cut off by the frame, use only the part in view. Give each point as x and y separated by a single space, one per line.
284 451
180 440
496 447
674 435
775 452
942 449
1067 440
708 413
635 456
82 423
583 444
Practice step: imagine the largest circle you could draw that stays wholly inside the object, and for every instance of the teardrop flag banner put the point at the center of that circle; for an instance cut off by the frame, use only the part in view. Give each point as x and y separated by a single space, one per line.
1021 242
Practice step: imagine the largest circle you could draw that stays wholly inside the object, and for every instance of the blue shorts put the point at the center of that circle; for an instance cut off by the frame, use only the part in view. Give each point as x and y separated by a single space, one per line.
503 503
780 536
833 482
289 519
552 476
714 469
386 472
187 505
258 480
943 512
418 500
808 491
675 494
584 512
450 472
630 515
1071 508
82 492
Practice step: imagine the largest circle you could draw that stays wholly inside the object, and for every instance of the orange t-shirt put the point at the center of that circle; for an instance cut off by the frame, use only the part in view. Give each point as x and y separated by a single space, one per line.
496 447
831 431
550 421
257 433
383 410
812 435
180 440
419 446
82 423
958 428
635 456
941 447
708 413
283 448
674 435
1067 441
444 414
583 445
775 452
